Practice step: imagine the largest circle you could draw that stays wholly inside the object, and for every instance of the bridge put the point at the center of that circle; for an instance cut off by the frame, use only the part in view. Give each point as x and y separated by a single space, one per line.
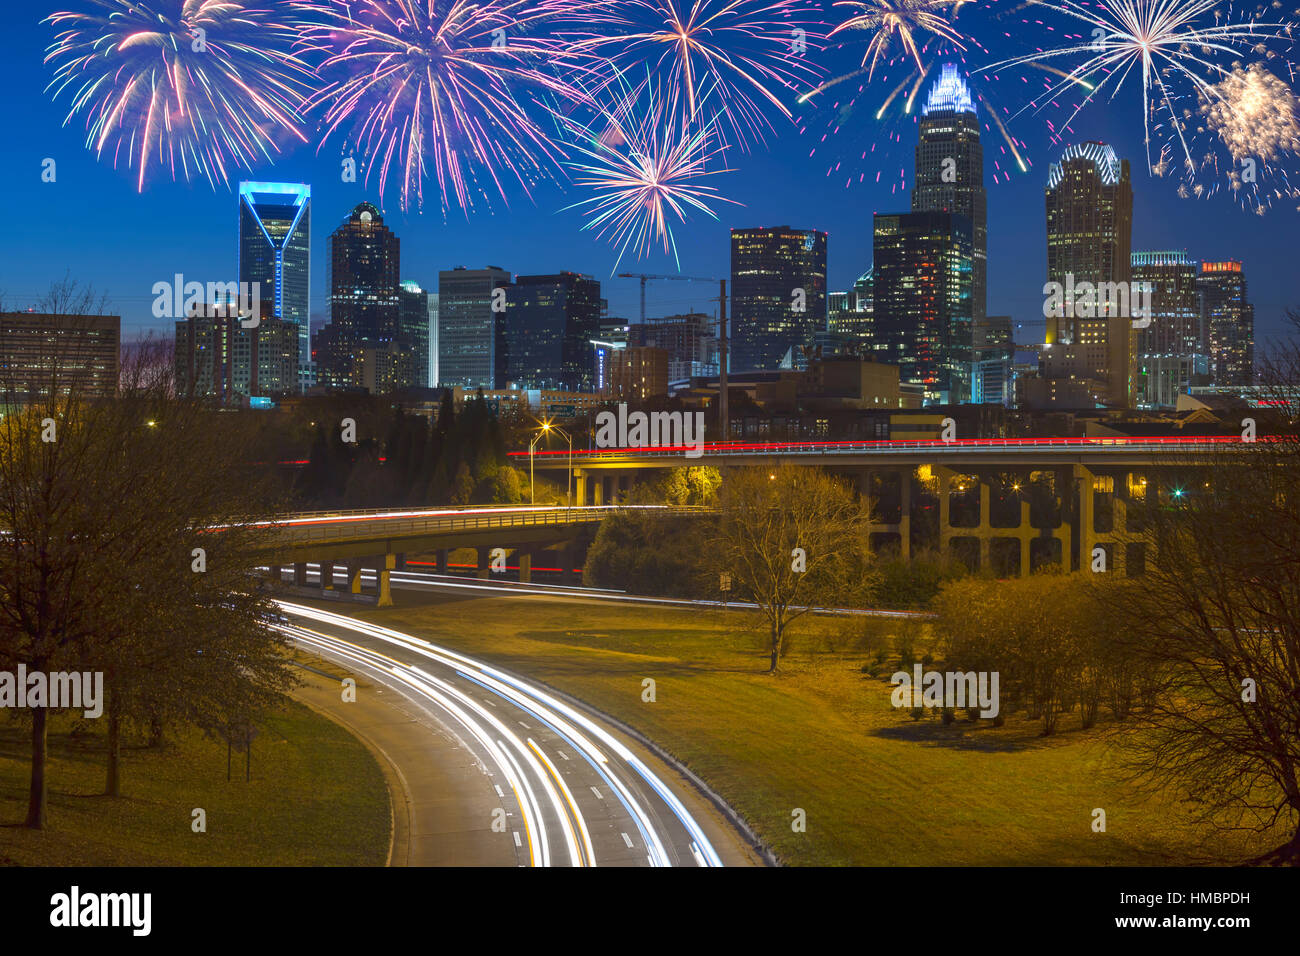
1009 504
381 539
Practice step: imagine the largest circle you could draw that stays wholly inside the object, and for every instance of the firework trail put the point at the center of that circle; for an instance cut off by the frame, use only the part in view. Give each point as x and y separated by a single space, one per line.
1175 49
192 87
901 20
752 56
449 86
643 160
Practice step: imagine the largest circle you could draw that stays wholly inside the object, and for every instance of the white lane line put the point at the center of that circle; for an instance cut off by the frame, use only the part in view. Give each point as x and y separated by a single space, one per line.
597 793
562 754
518 842
500 792
523 725
628 840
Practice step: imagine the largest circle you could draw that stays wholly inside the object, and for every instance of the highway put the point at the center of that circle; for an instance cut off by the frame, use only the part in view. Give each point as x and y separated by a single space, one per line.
552 784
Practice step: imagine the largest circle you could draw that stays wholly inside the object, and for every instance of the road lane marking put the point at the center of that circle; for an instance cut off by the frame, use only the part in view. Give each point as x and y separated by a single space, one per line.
562 754
597 793
518 842
500 793
628 840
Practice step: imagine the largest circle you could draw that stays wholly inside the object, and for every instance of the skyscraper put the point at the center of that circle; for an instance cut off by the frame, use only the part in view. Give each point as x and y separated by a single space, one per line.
950 171
275 251
364 308
1090 339
471 327
921 310
1171 353
550 322
1229 322
42 352
778 293
415 315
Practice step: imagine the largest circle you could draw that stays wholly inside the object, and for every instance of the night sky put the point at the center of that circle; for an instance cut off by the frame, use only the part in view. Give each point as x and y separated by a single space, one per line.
94 224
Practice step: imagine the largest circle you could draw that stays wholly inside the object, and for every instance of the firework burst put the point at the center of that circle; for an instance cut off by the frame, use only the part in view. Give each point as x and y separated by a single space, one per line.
1175 49
644 161
448 87
901 21
192 87
752 55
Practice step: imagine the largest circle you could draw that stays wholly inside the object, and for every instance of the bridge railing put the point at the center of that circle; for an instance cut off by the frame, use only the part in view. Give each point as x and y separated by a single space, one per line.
335 526
896 446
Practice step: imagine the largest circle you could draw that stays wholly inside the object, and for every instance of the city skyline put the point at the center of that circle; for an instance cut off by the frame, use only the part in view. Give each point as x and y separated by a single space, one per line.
149 222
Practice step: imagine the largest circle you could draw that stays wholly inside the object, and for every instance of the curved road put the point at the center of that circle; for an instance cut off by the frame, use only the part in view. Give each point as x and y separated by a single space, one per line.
494 770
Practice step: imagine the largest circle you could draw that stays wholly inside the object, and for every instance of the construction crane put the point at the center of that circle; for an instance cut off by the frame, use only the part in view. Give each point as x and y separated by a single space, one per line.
643 277
723 416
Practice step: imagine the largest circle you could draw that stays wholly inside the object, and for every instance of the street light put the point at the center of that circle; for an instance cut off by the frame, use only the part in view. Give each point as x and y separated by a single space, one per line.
546 429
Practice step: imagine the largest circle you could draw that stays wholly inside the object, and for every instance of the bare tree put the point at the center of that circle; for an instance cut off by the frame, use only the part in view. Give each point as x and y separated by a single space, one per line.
791 539
1214 624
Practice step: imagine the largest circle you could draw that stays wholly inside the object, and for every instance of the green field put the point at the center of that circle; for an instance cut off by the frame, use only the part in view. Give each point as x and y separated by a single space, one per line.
316 797
877 788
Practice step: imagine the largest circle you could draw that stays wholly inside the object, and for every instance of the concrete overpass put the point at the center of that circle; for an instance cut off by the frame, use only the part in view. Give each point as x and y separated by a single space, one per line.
1011 504
381 539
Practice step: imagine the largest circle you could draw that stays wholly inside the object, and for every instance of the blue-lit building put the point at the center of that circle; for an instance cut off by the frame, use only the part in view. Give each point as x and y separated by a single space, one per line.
275 251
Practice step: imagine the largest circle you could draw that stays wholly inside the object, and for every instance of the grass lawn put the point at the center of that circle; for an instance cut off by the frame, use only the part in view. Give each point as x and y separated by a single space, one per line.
877 787
317 797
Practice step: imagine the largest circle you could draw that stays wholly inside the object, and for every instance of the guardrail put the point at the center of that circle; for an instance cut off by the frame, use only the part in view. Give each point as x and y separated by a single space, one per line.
313 527
897 446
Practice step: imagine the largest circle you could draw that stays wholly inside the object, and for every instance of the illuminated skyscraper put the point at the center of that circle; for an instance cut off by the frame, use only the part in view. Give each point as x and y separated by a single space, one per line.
778 294
275 251
1229 322
472 351
1089 201
950 171
550 322
921 292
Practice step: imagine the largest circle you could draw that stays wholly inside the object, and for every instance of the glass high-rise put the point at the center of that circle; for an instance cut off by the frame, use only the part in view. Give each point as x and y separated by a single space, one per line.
1089 202
1229 322
275 251
950 171
921 300
778 294
472 350
549 324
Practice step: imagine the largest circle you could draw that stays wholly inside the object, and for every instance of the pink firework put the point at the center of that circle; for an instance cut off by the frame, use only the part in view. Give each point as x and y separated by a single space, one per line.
188 86
446 88
756 55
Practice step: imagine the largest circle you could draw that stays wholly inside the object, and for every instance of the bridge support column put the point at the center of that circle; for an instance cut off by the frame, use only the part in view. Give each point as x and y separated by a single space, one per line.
985 524
440 560
945 476
327 575
401 561
354 577
386 564
905 514
1085 535
525 556
482 569
300 573
276 574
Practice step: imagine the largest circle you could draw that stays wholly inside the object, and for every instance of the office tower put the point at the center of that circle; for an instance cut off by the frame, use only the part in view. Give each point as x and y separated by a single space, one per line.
364 305
689 340
550 321
413 319
950 170
216 356
994 350
41 352
638 372
1169 283
778 293
1090 339
1229 322
433 340
848 316
275 251
921 286
471 327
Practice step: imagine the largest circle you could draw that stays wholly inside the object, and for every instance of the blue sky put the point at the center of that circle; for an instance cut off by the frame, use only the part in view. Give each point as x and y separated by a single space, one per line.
93 223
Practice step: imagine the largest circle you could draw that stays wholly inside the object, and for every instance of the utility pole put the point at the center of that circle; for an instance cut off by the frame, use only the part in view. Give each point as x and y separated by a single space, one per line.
723 412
